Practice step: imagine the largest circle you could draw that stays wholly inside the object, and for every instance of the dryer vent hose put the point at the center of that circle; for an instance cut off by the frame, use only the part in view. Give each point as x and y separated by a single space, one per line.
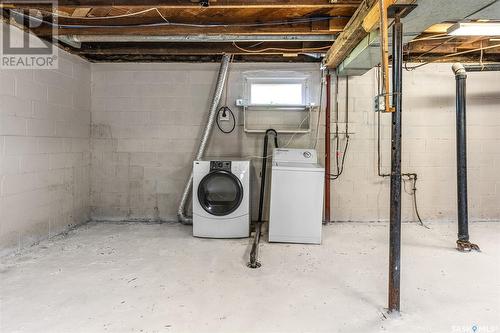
254 253
221 81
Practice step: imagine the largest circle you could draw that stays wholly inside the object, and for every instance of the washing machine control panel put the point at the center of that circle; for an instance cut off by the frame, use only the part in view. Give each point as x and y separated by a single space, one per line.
220 165
295 155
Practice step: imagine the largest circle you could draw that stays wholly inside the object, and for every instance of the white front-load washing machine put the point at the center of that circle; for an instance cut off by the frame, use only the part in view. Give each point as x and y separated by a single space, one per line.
221 199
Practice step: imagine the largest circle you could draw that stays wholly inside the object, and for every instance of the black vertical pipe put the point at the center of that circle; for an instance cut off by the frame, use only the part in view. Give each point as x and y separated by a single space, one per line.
463 220
395 211
264 169
254 252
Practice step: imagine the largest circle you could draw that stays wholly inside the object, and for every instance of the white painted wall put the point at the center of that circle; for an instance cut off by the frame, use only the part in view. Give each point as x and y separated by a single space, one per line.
44 151
428 147
147 119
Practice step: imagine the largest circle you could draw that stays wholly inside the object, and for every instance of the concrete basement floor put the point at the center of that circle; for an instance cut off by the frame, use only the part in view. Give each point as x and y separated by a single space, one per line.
157 278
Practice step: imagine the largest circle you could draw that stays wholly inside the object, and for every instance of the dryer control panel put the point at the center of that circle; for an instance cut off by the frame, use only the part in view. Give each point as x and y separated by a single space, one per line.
220 165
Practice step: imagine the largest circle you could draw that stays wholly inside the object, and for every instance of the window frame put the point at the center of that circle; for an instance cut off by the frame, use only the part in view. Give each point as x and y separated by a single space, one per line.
277 78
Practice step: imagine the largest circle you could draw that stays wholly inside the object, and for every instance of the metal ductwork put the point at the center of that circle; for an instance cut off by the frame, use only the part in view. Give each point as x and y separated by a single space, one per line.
221 81
366 55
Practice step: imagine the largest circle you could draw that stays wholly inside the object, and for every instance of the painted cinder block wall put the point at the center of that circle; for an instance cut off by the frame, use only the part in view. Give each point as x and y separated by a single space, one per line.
147 119
428 147
44 151
115 142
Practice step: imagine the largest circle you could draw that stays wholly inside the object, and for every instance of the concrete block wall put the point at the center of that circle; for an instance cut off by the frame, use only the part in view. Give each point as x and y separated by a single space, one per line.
428 147
116 141
147 120
44 151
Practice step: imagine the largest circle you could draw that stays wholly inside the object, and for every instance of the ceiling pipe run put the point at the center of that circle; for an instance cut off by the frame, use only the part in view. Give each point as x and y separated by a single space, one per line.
482 68
200 38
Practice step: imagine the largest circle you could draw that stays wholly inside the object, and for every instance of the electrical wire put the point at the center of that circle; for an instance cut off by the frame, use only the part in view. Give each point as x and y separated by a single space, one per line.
341 162
435 47
298 128
108 17
433 37
307 49
379 92
170 23
452 55
409 176
455 54
320 108
413 177
482 8
286 145
225 109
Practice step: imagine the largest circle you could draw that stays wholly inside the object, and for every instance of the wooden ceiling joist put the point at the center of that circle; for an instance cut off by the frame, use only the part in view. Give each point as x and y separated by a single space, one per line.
347 20
317 28
350 36
192 4
196 48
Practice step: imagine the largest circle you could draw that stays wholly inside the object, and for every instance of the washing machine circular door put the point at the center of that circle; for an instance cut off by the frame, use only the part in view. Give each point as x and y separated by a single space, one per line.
220 193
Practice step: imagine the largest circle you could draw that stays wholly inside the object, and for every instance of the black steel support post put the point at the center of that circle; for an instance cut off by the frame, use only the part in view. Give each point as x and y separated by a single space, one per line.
463 243
395 211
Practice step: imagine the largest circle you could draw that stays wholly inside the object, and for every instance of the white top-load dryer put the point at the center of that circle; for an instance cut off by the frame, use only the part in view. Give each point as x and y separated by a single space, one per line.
297 187
221 198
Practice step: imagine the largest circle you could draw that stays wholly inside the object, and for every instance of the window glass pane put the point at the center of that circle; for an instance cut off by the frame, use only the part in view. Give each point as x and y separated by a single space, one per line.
276 93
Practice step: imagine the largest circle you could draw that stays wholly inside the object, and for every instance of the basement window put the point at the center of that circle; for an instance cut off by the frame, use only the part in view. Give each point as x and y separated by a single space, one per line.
276 99
272 91
276 94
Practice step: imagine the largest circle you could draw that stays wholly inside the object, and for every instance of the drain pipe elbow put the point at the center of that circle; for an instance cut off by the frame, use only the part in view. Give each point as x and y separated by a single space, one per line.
458 69
184 219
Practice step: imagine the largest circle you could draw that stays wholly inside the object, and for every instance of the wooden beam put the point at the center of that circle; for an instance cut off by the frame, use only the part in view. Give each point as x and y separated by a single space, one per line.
333 25
337 24
193 4
290 29
198 58
190 49
81 12
354 32
371 21
196 48
422 48
488 57
350 37
439 28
